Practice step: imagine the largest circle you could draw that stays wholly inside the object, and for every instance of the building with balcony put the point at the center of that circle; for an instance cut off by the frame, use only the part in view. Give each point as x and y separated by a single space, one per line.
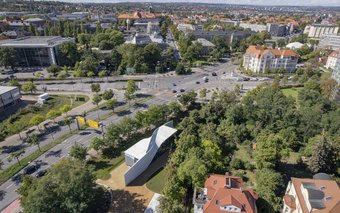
332 60
224 193
318 30
320 194
36 51
330 41
258 59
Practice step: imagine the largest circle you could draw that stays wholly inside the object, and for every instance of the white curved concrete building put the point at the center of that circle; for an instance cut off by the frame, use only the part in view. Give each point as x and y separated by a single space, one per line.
140 155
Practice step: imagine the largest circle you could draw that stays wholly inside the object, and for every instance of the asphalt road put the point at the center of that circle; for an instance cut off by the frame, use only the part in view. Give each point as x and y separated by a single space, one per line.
159 86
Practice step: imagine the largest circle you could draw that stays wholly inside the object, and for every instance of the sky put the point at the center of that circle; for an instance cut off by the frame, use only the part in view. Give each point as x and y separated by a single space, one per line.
252 2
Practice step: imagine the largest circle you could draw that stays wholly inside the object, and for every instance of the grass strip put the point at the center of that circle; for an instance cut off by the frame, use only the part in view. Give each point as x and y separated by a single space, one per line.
15 168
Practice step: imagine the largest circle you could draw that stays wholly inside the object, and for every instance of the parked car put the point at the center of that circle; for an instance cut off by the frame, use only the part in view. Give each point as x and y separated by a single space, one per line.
205 79
182 90
214 74
197 82
174 91
174 84
254 79
41 173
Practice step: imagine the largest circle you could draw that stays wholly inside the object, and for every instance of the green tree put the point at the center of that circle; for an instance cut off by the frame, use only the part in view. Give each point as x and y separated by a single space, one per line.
130 91
34 140
1 164
52 114
17 154
188 98
96 100
203 93
111 104
268 148
7 57
78 152
68 54
102 74
14 83
29 87
36 120
68 121
95 87
327 84
54 69
71 188
65 108
325 157
268 185
180 69
108 94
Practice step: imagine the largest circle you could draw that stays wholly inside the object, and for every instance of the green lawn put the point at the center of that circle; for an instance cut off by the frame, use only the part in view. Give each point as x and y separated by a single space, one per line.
20 120
293 92
103 166
156 182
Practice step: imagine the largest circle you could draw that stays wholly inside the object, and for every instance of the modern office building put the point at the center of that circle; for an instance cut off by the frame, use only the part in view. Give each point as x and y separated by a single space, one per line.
36 51
258 59
229 35
330 41
254 27
8 96
318 30
278 30
320 194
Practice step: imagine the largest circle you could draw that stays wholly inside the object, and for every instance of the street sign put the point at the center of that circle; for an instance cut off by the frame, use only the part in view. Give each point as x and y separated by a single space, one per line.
93 124
81 120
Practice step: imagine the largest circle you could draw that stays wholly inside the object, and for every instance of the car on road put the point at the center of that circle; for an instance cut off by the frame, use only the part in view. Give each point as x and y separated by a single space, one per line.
197 82
205 79
40 173
17 178
174 84
174 91
246 79
182 90
254 79
214 74
30 169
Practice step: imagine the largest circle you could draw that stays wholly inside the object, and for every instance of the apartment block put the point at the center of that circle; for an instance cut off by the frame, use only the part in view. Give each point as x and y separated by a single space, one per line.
330 41
318 30
258 59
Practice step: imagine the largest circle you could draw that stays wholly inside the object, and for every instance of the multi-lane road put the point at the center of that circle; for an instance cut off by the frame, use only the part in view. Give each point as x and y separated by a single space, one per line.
161 87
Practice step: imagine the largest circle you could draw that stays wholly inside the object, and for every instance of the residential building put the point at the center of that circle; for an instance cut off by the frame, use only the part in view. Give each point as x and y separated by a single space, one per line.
258 59
254 27
224 193
229 35
320 194
330 41
149 27
185 28
141 16
207 45
318 30
9 96
141 39
278 30
35 51
332 60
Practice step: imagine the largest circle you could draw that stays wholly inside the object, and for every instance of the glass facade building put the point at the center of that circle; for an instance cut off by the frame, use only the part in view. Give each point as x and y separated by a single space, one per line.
36 51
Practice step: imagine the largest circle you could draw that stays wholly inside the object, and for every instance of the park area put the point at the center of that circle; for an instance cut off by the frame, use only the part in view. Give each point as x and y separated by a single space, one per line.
293 92
22 113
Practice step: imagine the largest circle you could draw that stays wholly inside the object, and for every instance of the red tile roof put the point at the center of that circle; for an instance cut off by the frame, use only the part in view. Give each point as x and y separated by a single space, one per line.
259 51
220 195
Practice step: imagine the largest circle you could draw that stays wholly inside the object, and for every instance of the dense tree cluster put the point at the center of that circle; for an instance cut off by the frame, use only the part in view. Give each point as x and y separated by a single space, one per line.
277 124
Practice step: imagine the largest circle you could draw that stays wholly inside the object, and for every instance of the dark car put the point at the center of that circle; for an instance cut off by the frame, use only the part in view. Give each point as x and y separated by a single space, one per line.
246 79
174 91
174 84
197 82
213 74
40 173
30 169
182 90
17 178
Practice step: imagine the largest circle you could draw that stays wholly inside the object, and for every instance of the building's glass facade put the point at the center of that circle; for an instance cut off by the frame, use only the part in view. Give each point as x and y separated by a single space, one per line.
32 57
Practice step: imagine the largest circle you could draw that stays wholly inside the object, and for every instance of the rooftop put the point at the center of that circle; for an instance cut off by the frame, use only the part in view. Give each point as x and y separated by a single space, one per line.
4 89
259 51
35 41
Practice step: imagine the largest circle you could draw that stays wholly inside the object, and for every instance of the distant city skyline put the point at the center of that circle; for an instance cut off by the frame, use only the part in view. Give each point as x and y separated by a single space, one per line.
247 2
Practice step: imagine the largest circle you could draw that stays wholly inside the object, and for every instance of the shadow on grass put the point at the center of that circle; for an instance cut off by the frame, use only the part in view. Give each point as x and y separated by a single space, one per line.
127 202
294 170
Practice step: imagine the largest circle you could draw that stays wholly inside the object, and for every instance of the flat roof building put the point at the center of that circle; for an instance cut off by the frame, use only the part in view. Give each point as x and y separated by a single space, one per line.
34 51
8 96
330 41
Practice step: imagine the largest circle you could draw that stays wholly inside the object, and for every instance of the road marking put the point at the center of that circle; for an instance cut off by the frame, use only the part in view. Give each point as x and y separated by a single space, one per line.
9 186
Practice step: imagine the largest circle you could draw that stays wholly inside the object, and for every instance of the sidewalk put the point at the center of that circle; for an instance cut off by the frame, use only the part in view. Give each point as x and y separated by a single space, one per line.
15 139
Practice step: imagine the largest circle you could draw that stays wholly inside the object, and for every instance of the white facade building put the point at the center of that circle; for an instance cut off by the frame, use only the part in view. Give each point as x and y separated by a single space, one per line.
332 60
258 60
8 96
318 195
330 41
318 30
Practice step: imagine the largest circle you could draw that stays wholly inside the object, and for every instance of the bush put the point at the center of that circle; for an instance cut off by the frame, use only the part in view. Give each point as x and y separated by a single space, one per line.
236 163
248 166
